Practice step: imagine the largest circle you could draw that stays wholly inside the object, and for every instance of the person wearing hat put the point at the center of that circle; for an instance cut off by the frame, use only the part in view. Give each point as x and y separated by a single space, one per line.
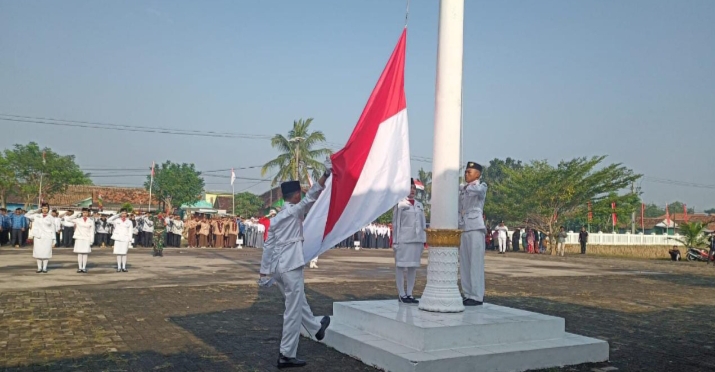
122 236
282 263
83 238
43 233
471 221
408 242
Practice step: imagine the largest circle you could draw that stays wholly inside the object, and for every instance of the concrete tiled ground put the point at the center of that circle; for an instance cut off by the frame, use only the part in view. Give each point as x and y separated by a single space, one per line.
199 310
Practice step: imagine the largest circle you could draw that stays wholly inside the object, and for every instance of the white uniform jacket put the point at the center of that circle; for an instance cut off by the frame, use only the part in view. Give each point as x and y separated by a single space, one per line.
408 223
503 231
178 227
283 250
147 224
43 228
122 229
84 230
471 206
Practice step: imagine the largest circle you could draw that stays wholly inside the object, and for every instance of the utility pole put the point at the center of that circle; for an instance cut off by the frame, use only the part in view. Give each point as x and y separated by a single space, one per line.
633 214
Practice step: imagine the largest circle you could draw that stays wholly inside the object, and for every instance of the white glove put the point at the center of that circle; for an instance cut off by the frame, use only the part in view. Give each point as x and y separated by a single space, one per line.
328 165
265 281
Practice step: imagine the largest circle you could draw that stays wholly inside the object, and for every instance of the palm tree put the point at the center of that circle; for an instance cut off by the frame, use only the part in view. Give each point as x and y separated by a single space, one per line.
298 156
692 235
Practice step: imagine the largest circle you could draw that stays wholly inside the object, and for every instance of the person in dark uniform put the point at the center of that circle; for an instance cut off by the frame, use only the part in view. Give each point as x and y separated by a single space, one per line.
583 239
515 237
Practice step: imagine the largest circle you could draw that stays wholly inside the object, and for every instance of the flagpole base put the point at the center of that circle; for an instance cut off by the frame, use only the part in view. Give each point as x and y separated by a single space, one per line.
442 293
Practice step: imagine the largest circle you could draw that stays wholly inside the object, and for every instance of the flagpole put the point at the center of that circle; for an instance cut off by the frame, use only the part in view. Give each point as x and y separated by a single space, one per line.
443 237
151 184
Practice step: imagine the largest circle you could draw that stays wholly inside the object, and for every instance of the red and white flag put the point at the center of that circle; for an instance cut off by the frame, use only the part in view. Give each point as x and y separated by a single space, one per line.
419 185
233 176
152 170
667 216
372 172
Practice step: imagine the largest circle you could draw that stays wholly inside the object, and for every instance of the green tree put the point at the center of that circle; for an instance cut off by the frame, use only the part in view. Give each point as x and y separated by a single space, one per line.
540 194
692 235
710 211
298 154
248 204
494 174
175 184
8 182
128 207
385 218
653 210
426 195
55 172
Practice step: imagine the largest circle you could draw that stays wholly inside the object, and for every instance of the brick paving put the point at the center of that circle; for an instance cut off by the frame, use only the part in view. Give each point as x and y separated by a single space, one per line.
653 313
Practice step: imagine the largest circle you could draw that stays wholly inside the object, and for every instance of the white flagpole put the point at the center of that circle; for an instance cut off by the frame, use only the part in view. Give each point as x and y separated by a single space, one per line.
233 192
151 184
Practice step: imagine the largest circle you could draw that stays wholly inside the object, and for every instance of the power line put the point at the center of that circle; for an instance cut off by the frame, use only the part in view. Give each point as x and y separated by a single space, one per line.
677 183
158 130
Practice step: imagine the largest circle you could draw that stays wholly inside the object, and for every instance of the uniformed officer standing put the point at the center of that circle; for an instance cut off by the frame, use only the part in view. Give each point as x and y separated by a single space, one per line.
283 261
471 222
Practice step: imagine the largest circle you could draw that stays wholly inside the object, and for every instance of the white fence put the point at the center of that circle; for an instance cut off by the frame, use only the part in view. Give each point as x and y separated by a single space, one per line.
625 239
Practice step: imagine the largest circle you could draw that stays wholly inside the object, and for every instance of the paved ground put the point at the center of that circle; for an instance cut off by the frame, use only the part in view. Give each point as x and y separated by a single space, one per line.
199 310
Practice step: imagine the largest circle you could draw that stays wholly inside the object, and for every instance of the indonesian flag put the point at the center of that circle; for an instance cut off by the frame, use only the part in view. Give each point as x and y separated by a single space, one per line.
419 185
615 217
667 216
152 170
372 172
233 176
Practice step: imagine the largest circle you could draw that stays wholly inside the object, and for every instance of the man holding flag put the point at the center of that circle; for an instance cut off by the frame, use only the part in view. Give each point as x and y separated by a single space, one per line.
282 263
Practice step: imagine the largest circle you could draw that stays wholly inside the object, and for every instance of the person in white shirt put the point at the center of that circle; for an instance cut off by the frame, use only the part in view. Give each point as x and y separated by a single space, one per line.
122 236
83 237
408 221
502 232
282 263
43 233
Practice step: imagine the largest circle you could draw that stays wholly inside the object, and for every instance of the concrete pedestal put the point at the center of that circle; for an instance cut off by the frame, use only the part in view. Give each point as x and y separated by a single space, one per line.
396 337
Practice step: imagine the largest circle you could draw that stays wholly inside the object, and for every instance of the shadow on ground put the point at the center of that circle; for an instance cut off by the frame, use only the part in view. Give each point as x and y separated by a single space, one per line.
678 338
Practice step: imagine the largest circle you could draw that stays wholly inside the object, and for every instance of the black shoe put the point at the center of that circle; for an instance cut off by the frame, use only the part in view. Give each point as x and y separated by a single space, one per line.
412 300
404 300
39 271
119 270
471 302
324 323
84 271
284 362
125 270
79 271
44 271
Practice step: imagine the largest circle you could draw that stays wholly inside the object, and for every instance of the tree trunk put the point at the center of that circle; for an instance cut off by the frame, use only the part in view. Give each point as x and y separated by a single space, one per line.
552 240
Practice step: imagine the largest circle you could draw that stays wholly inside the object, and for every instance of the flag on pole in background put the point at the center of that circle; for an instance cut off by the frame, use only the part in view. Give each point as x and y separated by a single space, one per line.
685 211
590 212
643 217
44 162
419 185
372 172
667 216
233 176
615 217
152 170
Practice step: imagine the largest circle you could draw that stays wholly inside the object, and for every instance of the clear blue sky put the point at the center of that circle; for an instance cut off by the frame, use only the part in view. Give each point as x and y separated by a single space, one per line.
553 80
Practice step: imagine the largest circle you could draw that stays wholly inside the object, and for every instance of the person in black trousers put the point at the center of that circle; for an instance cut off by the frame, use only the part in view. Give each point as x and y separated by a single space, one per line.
67 230
515 239
583 239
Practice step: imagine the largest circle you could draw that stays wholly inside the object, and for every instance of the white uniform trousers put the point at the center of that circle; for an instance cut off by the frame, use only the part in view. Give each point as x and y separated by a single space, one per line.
297 311
502 244
471 264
